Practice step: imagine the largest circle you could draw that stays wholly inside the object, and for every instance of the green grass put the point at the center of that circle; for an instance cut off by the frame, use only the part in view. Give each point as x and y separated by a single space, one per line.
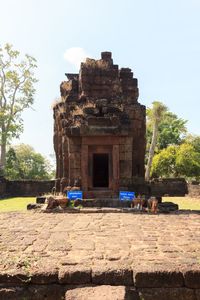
15 204
184 202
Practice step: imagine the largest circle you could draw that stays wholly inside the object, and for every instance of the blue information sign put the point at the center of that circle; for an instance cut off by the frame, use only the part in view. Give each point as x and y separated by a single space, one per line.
126 195
73 195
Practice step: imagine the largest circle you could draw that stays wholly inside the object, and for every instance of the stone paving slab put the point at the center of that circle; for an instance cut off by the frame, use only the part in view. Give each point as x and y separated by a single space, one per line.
31 240
145 251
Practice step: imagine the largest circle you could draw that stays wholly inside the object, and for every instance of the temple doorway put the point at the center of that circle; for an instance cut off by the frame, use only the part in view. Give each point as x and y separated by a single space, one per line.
100 170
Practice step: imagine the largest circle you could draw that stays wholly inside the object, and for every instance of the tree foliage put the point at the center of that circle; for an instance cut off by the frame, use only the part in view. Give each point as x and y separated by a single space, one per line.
17 81
164 163
22 162
177 160
188 161
155 115
193 140
171 131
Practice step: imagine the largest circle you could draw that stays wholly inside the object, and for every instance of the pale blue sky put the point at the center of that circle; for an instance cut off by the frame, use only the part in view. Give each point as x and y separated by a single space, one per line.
159 40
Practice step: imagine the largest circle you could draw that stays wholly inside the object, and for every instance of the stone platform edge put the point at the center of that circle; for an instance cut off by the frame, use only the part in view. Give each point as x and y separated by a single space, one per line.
38 208
79 280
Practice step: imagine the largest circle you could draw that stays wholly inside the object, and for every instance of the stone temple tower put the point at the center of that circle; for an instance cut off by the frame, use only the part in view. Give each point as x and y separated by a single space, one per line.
99 129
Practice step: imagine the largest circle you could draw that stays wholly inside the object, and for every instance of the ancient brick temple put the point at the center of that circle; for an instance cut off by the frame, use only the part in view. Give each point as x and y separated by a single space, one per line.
99 129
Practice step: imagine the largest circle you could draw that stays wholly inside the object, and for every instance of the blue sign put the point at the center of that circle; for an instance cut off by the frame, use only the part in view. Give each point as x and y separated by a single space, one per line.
126 195
73 195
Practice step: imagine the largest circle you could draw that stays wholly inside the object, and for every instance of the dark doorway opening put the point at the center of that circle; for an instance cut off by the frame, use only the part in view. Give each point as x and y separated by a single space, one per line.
100 170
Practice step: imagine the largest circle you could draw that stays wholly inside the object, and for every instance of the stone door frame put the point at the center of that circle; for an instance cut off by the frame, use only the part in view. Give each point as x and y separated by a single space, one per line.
100 144
99 149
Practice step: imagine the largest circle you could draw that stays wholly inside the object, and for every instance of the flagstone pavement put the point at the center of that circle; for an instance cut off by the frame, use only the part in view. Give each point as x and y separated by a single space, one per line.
33 241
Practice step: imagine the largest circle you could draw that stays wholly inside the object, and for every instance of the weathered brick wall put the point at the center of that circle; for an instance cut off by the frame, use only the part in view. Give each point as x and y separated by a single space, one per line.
125 160
2 186
102 100
27 188
169 186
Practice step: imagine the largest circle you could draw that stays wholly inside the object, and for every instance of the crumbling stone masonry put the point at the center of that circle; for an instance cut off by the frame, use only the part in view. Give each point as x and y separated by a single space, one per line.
99 129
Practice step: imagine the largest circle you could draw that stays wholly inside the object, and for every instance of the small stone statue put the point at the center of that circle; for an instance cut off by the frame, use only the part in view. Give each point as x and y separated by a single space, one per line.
53 202
76 187
53 191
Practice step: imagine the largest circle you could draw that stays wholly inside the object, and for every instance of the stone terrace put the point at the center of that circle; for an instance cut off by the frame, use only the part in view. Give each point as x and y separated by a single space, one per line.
99 256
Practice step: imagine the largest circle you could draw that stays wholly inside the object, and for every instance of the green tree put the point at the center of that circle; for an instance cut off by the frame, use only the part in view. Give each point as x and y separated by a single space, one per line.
17 81
22 162
175 161
171 130
164 163
188 161
193 140
155 115
12 164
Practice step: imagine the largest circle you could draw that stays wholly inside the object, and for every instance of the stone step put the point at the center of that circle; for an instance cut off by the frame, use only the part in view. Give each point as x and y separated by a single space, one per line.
96 202
107 292
108 194
111 203
105 202
103 292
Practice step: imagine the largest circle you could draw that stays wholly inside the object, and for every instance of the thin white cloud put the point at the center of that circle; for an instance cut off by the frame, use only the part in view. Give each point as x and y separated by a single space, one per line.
75 56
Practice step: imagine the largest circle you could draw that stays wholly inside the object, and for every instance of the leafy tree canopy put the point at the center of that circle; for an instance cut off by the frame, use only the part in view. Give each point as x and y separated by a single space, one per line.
177 160
164 163
17 80
188 161
193 140
155 116
22 162
171 130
